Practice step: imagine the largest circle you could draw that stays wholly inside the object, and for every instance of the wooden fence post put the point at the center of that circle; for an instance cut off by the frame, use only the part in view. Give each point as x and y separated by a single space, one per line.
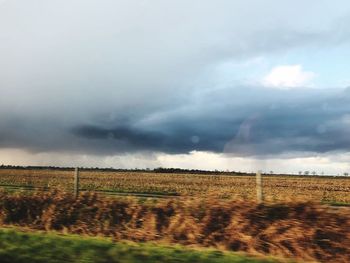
259 189
76 182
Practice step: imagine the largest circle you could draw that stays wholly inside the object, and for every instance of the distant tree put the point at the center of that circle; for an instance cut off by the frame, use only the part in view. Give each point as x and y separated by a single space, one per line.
306 173
300 172
313 173
346 174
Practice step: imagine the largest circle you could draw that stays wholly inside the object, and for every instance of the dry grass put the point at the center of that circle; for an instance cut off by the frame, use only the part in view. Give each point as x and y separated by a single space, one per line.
276 188
301 230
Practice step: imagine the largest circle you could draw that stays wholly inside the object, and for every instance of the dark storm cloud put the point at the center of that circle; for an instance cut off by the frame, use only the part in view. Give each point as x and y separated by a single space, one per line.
284 123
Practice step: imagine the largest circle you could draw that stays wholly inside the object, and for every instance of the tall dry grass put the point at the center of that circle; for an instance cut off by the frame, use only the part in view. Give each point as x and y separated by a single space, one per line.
300 230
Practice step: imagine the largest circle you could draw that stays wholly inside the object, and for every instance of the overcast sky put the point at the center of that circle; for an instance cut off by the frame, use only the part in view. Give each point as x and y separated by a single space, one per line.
238 85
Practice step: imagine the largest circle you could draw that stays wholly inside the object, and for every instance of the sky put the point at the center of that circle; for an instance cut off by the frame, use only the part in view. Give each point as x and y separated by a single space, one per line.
227 85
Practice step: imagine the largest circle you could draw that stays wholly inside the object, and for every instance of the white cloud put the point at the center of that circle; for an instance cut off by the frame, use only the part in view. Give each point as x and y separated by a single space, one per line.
288 76
333 163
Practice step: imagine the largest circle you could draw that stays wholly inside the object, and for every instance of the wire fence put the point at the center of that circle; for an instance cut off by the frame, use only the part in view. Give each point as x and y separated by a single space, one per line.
262 187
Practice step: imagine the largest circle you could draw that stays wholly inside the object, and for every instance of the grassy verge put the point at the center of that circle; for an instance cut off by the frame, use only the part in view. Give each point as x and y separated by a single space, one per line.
18 247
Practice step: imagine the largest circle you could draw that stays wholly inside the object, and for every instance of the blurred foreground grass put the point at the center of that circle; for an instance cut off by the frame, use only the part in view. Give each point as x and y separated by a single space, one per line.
17 246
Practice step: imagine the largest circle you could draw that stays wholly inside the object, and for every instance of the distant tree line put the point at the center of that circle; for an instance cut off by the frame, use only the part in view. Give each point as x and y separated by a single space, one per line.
196 171
146 170
160 170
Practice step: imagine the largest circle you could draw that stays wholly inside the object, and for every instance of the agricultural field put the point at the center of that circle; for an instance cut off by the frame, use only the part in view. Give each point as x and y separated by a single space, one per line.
276 188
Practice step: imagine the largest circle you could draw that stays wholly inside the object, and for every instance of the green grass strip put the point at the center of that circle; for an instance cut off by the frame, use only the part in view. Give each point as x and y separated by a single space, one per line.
27 247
